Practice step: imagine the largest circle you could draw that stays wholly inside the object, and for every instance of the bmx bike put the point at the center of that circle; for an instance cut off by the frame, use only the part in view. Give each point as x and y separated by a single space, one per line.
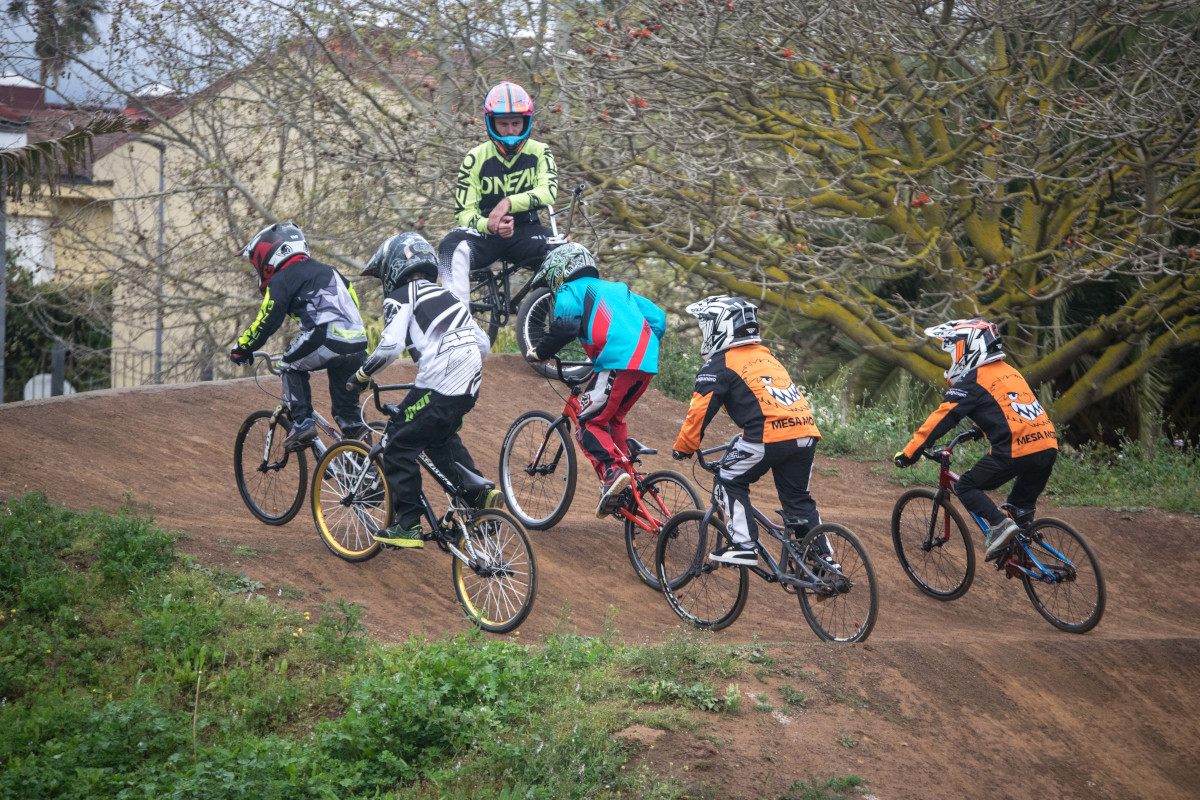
271 479
492 566
1054 562
839 599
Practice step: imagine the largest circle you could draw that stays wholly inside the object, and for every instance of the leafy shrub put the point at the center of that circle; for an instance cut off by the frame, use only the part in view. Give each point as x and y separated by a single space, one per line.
132 549
1164 475
32 532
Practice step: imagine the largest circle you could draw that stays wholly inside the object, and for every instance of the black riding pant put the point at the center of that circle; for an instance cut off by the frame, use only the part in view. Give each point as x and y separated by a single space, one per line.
340 360
464 250
429 422
790 464
991 472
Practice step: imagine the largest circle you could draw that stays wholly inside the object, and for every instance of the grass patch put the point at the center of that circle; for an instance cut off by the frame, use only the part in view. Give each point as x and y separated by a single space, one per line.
127 671
1164 475
793 696
837 787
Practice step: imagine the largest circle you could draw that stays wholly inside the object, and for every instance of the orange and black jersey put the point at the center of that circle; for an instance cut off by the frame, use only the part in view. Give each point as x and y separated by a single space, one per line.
755 391
1001 403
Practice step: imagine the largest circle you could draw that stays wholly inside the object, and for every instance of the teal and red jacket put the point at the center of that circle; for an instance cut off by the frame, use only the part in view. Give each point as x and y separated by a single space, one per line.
618 329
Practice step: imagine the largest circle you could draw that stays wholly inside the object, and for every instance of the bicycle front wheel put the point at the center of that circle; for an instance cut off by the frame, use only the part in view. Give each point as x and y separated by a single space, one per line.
844 610
537 470
350 500
497 592
664 493
933 545
485 303
533 322
270 479
1066 585
708 594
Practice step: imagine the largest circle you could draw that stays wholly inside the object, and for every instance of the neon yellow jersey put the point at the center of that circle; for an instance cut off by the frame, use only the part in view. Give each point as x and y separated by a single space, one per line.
530 180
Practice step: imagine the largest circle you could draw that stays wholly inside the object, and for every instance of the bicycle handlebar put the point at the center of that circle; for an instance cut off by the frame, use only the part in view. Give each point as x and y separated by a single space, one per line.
713 466
935 454
569 381
391 387
272 361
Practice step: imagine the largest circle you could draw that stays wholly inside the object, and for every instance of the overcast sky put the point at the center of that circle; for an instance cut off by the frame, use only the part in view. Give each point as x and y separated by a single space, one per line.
16 56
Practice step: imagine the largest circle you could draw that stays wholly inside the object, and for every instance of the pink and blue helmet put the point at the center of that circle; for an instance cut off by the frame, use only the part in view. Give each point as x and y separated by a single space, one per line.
508 99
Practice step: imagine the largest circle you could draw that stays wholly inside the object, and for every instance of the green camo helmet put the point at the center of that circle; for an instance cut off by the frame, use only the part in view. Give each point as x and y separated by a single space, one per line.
566 263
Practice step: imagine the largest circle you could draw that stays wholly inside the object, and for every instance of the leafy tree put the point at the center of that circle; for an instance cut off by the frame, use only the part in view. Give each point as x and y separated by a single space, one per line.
37 314
881 166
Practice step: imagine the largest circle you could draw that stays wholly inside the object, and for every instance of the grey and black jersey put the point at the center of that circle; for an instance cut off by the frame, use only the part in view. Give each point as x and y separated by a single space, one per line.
439 334
321 301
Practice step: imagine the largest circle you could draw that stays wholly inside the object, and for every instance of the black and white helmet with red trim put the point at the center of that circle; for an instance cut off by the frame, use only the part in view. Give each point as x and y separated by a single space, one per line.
725 322
971 343
272 247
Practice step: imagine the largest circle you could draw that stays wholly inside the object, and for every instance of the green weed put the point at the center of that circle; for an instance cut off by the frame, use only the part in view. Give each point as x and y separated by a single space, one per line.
836 787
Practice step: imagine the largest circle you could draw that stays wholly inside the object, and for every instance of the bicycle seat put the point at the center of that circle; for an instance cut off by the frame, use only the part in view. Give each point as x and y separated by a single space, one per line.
472 482
636 448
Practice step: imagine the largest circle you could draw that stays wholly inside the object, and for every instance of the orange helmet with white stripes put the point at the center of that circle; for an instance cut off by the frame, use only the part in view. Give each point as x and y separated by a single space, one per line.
970 343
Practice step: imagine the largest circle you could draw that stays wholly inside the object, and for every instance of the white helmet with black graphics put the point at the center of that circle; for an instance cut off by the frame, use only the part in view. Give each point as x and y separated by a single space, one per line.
725 322
970 343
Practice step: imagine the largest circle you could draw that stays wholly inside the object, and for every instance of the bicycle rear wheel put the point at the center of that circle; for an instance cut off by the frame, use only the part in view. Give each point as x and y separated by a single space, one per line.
708 594
1070 594
941 566
498 593
270 480
350 500
847 610
537 470
533 322
664 493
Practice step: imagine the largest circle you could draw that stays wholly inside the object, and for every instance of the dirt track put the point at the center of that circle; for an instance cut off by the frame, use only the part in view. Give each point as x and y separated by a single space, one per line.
975 698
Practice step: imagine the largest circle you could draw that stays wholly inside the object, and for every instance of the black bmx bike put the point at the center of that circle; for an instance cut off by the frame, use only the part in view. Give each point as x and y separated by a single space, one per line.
271 479
1054 562
494 300
492 565
838 598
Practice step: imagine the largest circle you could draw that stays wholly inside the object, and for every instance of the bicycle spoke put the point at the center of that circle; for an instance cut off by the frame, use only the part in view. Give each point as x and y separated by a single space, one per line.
500 591
270 480
537 471
663 494
1063 578
942 565
350 502
700 591
844 606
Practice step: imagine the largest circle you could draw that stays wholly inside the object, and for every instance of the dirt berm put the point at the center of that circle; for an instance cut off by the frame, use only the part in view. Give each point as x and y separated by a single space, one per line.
975 698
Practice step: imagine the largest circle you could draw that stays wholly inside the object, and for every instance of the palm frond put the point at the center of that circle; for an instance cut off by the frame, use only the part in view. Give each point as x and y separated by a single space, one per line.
42 165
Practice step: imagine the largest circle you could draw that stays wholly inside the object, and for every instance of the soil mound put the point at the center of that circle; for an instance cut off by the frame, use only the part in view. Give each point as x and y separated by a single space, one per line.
975 698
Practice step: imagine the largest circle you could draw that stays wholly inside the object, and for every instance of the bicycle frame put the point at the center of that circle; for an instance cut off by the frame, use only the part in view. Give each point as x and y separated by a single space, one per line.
776 574
323 425
499 287
1011 563
570 415
442 526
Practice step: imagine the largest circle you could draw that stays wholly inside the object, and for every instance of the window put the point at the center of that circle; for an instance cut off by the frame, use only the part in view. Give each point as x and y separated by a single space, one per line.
33 240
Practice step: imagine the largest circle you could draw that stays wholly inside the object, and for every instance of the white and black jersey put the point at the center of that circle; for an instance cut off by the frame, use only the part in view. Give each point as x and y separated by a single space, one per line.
439 334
